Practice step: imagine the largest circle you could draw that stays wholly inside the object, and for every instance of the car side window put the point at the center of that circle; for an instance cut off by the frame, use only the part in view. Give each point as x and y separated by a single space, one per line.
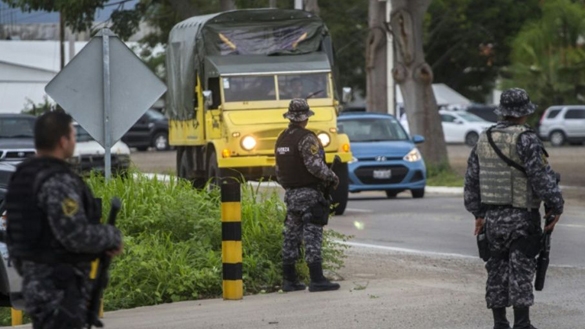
553 113
575 114
447 118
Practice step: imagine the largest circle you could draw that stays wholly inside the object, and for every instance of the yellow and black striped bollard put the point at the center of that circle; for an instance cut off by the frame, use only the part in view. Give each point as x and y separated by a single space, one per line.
231 245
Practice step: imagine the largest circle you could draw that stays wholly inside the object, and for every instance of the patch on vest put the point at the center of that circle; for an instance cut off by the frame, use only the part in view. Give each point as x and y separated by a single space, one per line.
282 150
70 207
314 149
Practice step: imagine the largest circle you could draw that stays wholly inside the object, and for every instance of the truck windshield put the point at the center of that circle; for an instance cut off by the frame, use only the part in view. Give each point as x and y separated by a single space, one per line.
262 88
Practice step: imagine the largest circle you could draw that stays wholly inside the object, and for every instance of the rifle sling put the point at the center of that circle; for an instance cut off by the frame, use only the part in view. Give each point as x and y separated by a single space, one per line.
507 160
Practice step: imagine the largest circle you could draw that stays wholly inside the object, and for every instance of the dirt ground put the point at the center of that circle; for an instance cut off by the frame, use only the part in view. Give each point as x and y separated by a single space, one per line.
569 161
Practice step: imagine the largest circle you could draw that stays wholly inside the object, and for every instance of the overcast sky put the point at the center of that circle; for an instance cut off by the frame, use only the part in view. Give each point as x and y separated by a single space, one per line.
16 16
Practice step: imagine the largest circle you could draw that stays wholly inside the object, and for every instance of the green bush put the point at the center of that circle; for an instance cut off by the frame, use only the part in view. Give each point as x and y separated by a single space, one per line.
172 242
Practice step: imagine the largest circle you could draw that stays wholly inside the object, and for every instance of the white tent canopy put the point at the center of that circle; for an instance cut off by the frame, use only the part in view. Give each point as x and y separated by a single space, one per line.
443 93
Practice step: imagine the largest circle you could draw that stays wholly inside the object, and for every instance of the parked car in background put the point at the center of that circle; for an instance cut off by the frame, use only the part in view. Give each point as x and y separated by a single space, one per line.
16 138
151 130
483 111
385 158
560 124
458 126
89 155
6 171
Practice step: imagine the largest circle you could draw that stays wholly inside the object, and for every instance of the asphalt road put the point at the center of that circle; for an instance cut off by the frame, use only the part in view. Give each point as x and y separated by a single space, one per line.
440 224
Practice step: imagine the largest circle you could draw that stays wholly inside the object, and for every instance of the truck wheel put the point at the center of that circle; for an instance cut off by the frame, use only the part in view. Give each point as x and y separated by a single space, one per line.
341 194
185 167
213 173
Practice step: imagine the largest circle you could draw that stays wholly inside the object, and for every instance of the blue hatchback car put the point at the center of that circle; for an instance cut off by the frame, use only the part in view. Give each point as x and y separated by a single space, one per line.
385 158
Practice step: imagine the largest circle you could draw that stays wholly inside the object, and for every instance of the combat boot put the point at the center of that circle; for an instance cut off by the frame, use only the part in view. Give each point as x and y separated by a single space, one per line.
290 280
500 320
318 281
522 318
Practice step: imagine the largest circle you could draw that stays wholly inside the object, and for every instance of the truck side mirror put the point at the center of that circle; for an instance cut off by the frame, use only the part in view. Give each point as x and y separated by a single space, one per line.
207 98
346 97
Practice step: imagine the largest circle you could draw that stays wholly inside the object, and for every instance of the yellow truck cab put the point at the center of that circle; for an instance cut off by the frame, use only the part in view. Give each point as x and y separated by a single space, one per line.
230 78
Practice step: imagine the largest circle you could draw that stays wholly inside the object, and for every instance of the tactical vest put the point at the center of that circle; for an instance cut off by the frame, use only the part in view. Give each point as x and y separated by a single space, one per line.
28 232
292 172
500 183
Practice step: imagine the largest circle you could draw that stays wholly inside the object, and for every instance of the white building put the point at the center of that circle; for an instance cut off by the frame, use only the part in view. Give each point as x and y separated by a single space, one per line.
27 66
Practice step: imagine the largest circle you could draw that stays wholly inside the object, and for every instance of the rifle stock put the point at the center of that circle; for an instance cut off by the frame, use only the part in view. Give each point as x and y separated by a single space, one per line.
544 256
101 280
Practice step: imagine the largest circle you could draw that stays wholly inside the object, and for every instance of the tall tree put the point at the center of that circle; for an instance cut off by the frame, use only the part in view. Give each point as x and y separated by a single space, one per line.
376 58
227 4
468 42
415 76
548 59
311 6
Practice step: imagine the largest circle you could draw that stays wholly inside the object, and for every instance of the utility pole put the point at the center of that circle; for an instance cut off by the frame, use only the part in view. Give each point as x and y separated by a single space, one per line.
62 38
299 4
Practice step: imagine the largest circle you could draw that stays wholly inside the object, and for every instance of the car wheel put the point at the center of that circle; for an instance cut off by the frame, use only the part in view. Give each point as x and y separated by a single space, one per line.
471 139
418 193
161 141
557 138
391 194
341 194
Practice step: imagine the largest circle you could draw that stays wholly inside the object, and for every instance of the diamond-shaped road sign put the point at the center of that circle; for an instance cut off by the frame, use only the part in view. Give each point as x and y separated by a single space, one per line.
81 90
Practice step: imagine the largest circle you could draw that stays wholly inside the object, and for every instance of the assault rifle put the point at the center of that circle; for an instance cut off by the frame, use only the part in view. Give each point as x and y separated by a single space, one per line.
544 256
328 193
101 280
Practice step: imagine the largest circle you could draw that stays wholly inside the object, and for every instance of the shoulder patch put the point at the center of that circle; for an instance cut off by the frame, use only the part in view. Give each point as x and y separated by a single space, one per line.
69 207
314 149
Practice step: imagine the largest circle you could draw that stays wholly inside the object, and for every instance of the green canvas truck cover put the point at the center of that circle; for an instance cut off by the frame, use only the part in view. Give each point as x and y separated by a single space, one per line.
246 33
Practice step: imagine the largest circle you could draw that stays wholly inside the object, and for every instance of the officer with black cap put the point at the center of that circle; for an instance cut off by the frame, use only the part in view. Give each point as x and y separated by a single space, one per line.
302 171
54 230
507 178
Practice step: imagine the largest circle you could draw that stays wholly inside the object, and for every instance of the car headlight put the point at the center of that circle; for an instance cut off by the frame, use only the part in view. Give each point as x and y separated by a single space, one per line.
353 159
413 155
248 143
325 139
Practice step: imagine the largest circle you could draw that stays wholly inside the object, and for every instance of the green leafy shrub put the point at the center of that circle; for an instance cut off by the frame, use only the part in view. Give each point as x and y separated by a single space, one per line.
172 241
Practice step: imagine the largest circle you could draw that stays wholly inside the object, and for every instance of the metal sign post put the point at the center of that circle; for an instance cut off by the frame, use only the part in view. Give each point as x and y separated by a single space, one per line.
107 107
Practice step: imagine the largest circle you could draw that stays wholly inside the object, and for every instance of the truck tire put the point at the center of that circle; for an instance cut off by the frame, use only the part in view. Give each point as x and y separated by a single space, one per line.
185 167
213 172
341 194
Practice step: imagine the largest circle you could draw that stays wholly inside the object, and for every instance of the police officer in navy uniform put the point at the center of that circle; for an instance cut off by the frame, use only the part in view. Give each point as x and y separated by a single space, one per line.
302 171
54 230
507 178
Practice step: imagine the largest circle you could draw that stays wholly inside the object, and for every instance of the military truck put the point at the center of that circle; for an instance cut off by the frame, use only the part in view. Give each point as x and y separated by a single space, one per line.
230 78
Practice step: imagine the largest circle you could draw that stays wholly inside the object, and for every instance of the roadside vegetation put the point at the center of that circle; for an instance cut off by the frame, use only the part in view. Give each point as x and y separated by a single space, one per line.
443 176
172 242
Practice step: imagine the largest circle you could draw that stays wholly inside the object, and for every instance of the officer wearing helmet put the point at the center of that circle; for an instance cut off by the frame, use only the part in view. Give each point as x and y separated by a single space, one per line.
507 179
302 171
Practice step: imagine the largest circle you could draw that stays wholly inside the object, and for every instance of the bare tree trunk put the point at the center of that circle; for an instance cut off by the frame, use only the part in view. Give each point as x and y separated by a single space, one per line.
272 4
62 39
415 78
227 5
376 61
311 6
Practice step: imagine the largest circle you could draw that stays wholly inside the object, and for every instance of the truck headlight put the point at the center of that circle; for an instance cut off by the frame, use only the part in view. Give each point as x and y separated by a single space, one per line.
413 155
325 139
248 143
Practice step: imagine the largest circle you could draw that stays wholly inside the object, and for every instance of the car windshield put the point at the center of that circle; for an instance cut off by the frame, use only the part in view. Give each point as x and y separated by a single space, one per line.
372 130
263 87
81 135
17 128
470 117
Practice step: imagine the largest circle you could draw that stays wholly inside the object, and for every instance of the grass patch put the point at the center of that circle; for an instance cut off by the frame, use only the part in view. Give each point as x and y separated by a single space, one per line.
443 175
